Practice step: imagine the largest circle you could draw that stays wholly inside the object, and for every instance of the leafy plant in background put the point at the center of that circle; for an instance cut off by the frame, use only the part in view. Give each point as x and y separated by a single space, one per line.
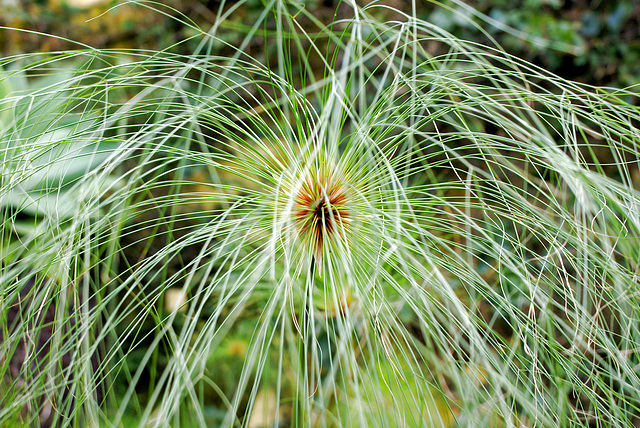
379 225
39 174
613 50
593 42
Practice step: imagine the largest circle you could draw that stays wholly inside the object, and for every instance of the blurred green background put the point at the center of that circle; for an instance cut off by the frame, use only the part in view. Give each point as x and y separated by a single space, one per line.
591 41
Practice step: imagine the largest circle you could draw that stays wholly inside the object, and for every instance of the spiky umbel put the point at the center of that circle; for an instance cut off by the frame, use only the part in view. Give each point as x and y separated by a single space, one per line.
321 211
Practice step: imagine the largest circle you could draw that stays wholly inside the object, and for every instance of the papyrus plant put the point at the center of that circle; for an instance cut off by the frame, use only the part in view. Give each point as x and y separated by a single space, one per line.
377 224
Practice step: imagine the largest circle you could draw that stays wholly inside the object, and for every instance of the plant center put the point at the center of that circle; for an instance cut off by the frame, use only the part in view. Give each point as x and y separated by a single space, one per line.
321 212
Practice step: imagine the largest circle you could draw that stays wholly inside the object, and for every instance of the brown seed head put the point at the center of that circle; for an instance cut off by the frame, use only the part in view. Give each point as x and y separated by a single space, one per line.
321 213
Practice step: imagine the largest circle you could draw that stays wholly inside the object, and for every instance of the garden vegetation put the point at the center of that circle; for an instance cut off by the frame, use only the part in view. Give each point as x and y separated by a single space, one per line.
372 223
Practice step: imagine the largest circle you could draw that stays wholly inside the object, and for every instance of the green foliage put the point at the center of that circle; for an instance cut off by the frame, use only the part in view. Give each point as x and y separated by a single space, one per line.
592 43
373 223
39 173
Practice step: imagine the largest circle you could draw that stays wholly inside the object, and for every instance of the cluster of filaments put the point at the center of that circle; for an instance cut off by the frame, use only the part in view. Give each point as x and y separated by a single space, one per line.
320 212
